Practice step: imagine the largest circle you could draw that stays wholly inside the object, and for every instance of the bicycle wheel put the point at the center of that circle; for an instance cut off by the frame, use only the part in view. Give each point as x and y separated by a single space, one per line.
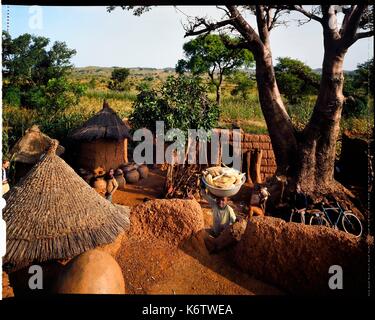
351 224
319 220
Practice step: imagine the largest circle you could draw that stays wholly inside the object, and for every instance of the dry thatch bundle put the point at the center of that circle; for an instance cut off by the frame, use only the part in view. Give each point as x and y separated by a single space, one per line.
54 214
32 146
106 124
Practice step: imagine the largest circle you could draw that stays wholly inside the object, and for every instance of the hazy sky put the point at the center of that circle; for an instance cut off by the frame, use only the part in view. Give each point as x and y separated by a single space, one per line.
155 39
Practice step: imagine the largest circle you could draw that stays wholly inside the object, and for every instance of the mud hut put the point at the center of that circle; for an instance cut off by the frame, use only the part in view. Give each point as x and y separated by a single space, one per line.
54 214
102 140
28 150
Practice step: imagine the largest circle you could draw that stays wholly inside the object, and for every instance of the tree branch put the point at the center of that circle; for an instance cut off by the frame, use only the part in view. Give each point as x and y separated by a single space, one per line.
208 27
349 34
309 15
252 39
347 16
362 35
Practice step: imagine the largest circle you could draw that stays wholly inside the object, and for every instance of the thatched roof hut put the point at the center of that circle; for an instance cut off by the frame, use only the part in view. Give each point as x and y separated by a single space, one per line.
32 146
54 214
29 149
103 140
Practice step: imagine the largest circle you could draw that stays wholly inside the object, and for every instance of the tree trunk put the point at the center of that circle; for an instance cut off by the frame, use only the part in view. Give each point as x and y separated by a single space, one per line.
218 95
279 125
317 144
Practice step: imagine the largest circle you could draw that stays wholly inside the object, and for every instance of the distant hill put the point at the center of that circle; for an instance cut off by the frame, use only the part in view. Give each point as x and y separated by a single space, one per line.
319 71
106 71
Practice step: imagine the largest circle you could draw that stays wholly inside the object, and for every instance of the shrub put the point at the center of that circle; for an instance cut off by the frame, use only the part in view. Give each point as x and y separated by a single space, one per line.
181 103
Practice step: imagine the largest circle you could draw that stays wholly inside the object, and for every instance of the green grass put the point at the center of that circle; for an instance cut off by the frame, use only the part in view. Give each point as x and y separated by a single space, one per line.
125 95
245 113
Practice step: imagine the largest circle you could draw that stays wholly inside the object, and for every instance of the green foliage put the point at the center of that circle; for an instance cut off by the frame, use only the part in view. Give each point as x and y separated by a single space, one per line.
17 120
237 108
210 54
144 86
357 90
106 95
54 97
363 77
301 111
92 83
118 77
12 96
181 103
243 81
295 79
36 77
27 61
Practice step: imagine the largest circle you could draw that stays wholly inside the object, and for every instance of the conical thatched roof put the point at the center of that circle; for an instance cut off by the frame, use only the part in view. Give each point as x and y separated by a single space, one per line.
106 124
32 146
53 214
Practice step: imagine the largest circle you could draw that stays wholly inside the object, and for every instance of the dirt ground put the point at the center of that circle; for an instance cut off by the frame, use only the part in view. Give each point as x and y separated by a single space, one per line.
153 266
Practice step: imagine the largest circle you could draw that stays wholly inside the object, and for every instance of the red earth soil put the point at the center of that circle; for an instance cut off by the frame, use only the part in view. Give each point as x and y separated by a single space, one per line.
154 265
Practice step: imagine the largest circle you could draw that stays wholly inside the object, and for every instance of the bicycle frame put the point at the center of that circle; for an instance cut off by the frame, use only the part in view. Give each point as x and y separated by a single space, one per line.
335 209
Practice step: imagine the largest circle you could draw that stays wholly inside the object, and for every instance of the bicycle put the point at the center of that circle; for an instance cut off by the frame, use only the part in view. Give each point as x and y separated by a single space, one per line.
349 222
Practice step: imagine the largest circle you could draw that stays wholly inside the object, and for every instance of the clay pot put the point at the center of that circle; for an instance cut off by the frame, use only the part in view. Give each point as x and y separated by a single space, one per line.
143 171
119 172
92 272
100 186
121 181
132 176
128 168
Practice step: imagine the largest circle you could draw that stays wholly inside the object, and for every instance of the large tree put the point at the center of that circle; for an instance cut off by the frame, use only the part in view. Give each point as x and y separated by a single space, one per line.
308 156
305 157
35 74
209 54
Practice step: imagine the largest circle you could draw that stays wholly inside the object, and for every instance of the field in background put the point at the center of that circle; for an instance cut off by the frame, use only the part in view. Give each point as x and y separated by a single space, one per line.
235 110
245 113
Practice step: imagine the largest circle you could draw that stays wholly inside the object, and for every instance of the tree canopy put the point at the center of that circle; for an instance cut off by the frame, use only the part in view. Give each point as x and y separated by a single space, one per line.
118 77
295 79
181 103
35 76
211 54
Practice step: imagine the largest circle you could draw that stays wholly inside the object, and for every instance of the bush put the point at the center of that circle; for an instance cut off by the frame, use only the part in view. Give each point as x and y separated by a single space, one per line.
56 96
12 96
181 103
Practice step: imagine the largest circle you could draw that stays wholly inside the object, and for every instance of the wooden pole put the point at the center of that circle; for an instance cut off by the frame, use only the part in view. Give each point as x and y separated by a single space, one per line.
126 150
258 162
248 167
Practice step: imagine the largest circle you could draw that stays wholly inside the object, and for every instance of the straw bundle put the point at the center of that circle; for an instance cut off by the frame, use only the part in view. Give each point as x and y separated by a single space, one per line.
53 214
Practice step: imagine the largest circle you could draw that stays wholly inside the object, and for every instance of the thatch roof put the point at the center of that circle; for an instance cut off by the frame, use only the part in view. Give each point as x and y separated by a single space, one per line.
106 124
53 214
32 146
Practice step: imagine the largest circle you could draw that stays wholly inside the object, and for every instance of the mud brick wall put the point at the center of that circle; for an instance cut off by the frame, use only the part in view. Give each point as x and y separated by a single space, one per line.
258 141
262 142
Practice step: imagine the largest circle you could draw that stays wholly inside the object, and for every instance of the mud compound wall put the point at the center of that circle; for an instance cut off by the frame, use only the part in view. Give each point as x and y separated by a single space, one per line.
297 258
257 141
